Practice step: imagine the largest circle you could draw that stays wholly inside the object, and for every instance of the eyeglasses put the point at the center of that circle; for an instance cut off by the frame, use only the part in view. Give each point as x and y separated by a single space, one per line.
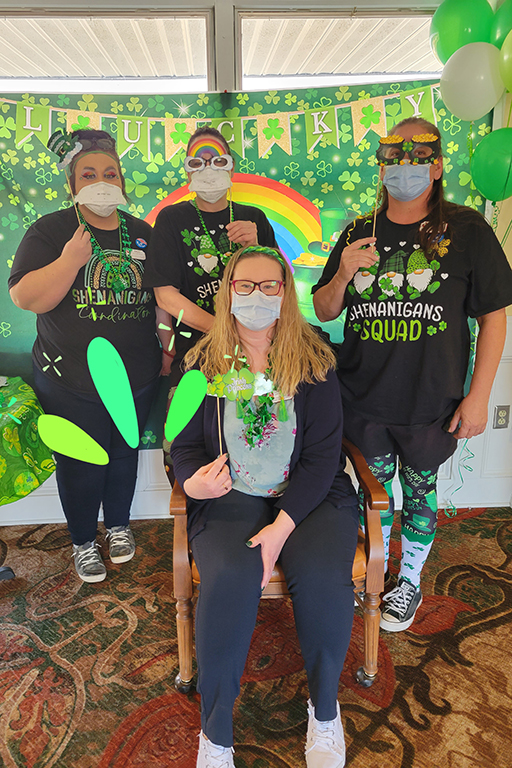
105 143
217 162
421 149
246 287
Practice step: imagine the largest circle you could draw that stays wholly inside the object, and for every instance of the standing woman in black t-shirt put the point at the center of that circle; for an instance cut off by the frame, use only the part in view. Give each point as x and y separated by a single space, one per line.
409 291
85 280
192 242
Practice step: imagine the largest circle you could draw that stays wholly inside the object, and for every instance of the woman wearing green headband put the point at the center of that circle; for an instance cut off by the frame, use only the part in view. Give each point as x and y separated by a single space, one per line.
264 479
85 278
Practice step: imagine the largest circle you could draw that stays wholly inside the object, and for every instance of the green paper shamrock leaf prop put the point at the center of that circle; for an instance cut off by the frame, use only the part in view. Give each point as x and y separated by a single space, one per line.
189 395
239 384
65 437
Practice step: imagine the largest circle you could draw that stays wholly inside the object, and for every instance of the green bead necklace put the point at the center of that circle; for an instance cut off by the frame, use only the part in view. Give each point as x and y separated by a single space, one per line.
224 257
119 269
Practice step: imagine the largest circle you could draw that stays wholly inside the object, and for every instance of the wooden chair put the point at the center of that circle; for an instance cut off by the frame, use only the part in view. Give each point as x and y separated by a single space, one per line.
367 575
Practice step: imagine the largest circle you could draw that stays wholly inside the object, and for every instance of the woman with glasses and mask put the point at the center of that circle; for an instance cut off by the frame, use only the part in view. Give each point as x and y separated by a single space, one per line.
193 241
409 292
85 278
270 486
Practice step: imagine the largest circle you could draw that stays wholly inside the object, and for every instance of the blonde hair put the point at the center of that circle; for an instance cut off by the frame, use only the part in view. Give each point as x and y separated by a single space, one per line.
297 353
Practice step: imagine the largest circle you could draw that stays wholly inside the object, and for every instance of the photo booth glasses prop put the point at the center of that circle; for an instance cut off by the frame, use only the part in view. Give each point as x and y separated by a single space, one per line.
218 163
246 287
420 150
104 143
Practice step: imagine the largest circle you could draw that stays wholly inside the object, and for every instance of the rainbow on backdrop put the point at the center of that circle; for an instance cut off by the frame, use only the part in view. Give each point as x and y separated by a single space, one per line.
296 221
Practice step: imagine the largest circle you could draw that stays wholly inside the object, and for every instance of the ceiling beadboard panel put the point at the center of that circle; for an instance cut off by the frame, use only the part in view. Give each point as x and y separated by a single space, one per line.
102 47
176 47
331 46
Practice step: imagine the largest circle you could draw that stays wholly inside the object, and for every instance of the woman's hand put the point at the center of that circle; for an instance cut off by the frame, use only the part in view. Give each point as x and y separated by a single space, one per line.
244 233
470 418
78 249
272 539
209 482
355 256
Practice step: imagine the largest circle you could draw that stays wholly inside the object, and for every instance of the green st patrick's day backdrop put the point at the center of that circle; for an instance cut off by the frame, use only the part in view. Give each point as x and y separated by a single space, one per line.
307 158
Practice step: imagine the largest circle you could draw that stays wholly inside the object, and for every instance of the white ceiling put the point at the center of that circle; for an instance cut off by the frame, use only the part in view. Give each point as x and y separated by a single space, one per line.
173 47
305 46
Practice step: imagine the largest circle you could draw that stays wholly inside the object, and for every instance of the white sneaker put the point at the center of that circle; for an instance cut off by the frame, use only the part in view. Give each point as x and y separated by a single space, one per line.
212 755
325 744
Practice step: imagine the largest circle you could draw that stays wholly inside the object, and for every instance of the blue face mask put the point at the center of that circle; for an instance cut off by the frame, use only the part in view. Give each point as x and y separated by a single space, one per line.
406 182
256 311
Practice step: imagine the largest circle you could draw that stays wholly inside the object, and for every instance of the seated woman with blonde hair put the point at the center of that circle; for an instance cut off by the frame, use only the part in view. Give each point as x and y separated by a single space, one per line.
264 481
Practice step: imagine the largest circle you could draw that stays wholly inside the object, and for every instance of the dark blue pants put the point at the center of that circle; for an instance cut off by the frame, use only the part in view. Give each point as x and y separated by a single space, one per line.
317 560
83 487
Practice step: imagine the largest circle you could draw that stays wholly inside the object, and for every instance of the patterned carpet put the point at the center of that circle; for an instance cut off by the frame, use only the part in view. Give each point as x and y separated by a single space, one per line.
86 671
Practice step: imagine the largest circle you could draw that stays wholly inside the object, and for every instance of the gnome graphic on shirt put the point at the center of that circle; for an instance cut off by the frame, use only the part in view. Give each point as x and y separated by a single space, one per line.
391 277
207 260
419 274
364 279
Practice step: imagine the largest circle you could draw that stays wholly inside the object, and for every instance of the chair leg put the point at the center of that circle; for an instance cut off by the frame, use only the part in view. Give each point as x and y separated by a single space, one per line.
184 626
371 618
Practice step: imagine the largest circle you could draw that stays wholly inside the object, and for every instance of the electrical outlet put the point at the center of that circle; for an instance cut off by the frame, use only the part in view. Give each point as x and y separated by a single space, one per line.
501 416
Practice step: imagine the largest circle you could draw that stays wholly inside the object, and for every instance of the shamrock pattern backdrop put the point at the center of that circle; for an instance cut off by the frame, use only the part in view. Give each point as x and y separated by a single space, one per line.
307 159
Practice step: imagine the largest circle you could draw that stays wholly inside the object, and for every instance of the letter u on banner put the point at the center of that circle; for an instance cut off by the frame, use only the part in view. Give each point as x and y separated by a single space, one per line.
133 132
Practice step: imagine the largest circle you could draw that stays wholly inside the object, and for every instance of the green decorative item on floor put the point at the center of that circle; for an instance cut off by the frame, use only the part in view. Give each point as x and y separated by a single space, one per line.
189 395
113 385
65 437
25 461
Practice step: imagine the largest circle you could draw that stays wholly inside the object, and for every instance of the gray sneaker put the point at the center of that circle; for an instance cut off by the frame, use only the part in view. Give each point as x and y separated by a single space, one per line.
88 562
121 544
400 606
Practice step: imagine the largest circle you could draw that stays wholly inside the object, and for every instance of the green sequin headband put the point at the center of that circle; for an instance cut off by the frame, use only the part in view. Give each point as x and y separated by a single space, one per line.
264 251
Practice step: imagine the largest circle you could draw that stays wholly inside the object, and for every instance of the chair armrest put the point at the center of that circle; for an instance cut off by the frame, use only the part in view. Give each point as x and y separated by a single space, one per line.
375 501
178 500
372 489
182 576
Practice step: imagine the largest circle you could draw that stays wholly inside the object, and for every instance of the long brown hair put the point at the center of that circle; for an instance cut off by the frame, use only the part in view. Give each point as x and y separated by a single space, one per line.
441 212
297 353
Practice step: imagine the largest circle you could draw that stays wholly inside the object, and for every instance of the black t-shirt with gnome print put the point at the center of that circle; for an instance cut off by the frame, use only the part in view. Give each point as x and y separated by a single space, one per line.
406 347
91 308
180 255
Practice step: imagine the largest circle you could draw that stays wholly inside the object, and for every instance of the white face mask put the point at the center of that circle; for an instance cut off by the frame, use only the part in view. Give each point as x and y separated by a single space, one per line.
256 311
210 185
101 198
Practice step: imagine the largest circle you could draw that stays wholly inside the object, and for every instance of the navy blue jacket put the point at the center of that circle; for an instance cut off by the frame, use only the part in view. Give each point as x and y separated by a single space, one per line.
316 465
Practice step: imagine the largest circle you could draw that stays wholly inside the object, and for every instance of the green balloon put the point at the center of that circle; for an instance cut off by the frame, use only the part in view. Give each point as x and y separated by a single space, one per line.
502 24
189 395
65 437
491 165
505 63
457 23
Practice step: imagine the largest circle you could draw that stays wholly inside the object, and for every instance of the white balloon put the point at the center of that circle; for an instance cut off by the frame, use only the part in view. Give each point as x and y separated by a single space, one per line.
471 83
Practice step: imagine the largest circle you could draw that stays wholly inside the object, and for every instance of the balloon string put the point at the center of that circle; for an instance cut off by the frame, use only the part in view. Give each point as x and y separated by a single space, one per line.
470 152
465 457
509 113
507 233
